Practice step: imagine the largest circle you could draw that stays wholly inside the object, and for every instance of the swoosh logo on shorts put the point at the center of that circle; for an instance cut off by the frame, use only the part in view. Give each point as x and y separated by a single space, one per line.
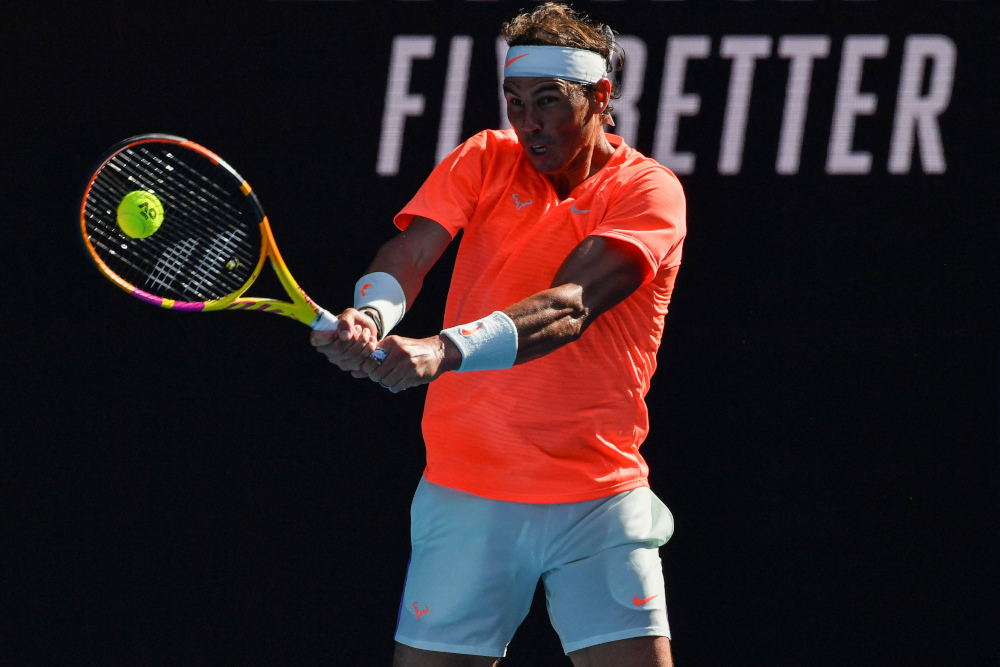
508 62
637 602
468 331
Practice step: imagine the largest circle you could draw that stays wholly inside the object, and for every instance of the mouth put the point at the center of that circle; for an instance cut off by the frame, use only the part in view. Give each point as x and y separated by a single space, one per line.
539 149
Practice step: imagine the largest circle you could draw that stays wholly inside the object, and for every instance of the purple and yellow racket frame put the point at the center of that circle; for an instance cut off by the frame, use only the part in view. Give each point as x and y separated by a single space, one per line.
300 306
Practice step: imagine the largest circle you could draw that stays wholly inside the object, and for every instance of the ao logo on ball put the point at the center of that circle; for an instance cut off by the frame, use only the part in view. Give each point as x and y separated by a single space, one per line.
140 214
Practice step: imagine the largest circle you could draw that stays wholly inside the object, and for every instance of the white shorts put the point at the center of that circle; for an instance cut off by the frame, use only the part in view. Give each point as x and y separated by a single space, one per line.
476 562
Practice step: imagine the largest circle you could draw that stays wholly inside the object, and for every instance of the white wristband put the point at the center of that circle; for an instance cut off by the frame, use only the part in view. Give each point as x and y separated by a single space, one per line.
381 292
487 344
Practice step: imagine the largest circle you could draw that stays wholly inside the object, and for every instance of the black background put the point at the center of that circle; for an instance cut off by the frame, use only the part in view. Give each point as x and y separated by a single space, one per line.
205 489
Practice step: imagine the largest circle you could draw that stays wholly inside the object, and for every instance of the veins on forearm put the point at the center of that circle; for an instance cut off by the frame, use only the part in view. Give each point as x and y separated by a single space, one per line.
548 320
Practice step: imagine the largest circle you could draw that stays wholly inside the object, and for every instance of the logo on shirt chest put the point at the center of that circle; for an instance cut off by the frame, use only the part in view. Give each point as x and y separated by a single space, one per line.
520 204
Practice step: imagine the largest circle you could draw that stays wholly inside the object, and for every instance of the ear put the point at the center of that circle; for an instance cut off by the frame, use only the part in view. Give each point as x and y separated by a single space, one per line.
602 97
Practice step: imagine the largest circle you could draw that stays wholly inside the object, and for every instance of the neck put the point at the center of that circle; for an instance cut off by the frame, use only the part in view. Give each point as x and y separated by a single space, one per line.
592 157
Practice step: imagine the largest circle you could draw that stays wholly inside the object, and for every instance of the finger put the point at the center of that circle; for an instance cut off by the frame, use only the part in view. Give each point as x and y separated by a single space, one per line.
334 357
353 342
404 375
321 338
346 333
357 350
394 373
374 361
335 354
343 347
348 330
329 351
381 381
392 380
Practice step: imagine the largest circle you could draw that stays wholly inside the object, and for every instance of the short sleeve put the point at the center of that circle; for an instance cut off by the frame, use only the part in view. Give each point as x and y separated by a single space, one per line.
451 192
649 212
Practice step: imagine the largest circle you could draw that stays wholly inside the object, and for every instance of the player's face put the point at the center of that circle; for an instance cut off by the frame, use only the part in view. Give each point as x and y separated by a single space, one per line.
553 122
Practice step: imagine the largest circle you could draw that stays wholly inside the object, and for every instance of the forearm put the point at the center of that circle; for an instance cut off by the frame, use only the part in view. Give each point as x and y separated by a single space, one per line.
394 278
409 255
396 259
594 278
548 320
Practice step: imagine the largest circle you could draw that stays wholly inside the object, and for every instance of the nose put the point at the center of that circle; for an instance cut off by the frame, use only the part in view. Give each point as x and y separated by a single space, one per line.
530 120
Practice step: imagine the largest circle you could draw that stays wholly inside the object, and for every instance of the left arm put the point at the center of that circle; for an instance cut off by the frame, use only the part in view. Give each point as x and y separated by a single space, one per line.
597 275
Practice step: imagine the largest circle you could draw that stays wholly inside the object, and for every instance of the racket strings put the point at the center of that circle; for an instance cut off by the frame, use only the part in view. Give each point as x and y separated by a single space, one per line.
209 242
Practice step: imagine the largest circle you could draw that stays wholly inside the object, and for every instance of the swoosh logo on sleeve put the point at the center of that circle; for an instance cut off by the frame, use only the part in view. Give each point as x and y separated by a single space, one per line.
638 603
508 62
574 209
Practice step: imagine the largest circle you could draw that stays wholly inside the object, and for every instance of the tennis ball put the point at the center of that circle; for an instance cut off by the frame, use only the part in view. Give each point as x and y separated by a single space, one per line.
140 214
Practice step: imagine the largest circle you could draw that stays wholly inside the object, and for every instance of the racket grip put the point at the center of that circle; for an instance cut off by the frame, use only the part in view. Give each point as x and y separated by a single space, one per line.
324 321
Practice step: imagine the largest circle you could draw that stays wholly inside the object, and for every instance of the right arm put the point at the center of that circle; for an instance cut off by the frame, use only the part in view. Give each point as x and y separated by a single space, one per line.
407 257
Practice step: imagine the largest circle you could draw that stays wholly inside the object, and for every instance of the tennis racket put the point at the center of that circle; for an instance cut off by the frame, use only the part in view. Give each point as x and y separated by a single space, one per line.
211 244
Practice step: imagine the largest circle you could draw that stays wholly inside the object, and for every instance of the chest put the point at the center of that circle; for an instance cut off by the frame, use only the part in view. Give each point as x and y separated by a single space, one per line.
520 214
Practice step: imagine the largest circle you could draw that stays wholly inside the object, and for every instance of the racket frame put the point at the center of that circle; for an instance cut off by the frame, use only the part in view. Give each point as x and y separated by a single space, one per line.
299 307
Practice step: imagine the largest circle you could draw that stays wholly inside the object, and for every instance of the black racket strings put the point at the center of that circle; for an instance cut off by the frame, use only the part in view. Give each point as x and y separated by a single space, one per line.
209 242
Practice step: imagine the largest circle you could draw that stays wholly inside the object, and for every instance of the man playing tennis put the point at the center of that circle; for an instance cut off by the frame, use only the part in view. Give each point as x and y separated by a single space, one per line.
535 412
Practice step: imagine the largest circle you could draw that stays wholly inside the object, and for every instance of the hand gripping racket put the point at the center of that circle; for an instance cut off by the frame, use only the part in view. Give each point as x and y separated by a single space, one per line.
211 243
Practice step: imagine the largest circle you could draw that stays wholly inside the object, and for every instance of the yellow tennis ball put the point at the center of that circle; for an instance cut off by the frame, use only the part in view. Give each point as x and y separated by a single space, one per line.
140 214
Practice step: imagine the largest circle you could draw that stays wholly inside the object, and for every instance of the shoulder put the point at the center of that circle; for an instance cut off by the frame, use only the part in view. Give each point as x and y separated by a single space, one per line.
647 185
637 169
484 149
492 141
643 194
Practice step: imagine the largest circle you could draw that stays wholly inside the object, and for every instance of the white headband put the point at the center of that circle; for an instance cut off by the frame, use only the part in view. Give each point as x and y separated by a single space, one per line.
557 62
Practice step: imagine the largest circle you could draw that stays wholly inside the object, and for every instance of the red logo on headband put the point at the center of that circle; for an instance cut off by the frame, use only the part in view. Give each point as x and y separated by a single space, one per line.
507 63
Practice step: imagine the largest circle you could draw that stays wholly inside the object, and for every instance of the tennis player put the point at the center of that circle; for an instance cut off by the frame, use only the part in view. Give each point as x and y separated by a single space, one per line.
535 410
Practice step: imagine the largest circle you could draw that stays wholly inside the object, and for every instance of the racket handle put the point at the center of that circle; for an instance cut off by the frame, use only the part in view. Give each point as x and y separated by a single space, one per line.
324 321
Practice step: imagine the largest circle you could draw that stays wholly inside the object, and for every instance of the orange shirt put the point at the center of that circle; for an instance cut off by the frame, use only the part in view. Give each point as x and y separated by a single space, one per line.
565 427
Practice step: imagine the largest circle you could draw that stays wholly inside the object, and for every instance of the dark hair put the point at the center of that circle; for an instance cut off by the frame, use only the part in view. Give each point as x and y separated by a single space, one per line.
556 24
